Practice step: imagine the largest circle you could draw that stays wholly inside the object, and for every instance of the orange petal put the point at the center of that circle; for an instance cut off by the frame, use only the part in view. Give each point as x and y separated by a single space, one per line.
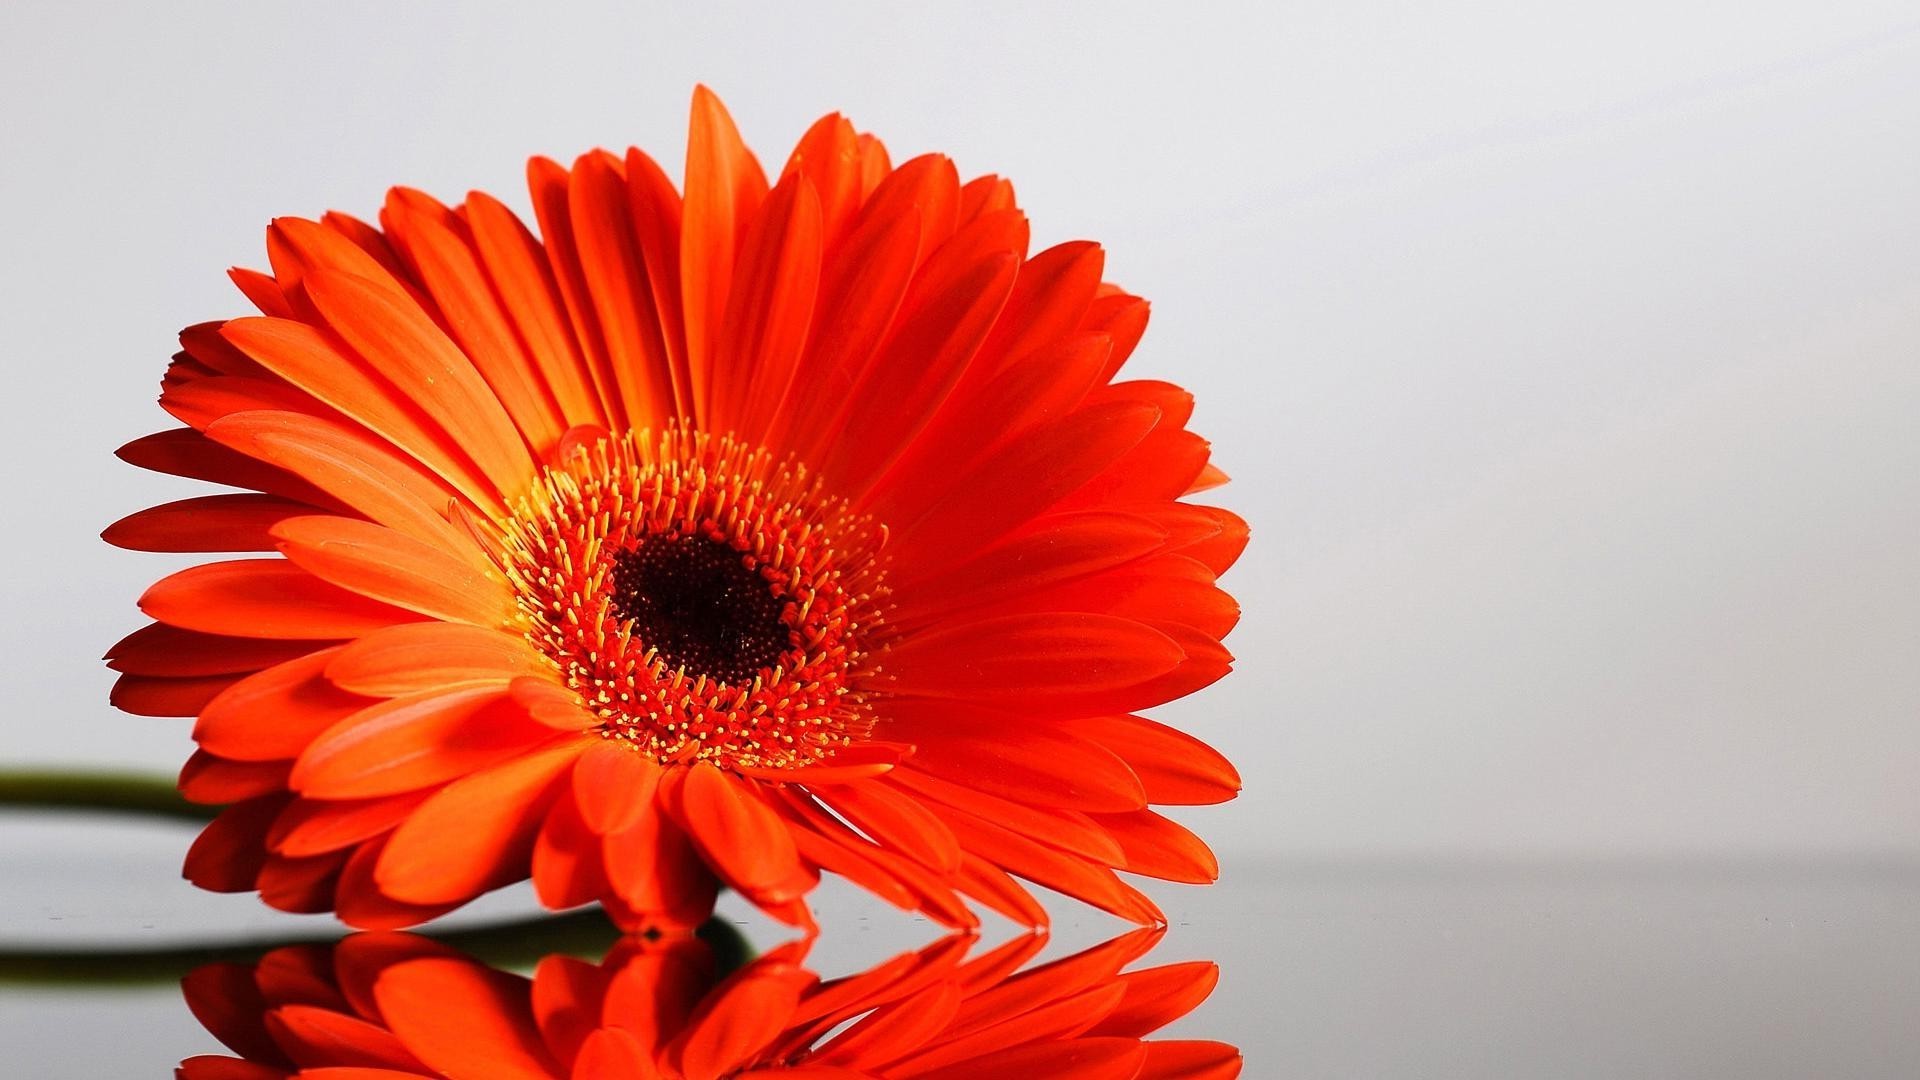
551 704
1162 467
872 866
875 164
724 186
859 294
188 453
832 1003
844 859
267 598
1174 768
1029 1007
947 313
769 311
1160 589
354 964
1028 476
464 1019
208 523
215 781
359 902
229 852
738 834
615 274
738 1020
323 1037
1212 476
1214 536
406 743
654 204
387 565
399 340
1071 1059
373 242
893 1030
1069 830
474 835
991 886
297 247
315 827
414 657
928 185
159 649
1158 996
567 997
1021 761
1018 657
214 1067
451 272
351 465
854 763
518 268
985 415
203 401
547 181
1205 663
1190 1059
896 820
1058 870
1123 317
984 195
988 970
567 870
828 155
310 359
261 291
613 785
202 342
654 986
274 714
1159 848
147 695
611 1052
227 1001
1048 303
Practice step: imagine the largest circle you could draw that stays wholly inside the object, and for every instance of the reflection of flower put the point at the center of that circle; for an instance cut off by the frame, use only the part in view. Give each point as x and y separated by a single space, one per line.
652 1009
637 559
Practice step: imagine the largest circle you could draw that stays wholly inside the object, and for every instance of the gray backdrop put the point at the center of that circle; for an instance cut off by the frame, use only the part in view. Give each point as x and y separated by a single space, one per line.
1565 359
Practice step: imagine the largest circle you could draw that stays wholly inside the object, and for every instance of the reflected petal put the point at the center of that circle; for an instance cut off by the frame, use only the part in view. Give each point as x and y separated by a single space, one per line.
394 1004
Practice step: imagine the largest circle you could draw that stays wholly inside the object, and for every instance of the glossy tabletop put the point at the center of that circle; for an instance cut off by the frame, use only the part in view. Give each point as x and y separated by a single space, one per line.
1329 968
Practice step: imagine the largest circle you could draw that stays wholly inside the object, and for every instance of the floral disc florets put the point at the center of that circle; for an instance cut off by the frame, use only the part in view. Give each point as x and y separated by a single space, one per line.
704 601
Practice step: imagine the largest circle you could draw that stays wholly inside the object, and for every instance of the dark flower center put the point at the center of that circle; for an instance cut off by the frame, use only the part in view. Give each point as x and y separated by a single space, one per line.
700 606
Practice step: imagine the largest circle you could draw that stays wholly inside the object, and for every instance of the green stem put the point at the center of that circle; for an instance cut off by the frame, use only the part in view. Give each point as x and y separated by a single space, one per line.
124 793
520 943
517 944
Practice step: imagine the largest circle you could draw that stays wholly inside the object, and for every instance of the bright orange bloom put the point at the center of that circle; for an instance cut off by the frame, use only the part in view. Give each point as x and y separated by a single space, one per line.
725 538
389 1006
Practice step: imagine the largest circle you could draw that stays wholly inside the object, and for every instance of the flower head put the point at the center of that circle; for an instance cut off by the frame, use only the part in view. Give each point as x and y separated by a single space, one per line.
726 537
395 1005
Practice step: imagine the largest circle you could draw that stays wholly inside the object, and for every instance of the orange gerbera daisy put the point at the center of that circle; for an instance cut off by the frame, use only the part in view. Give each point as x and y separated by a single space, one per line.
725 538
392 1005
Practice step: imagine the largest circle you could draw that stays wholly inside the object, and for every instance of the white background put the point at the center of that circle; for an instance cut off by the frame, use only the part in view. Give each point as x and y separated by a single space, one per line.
1567 360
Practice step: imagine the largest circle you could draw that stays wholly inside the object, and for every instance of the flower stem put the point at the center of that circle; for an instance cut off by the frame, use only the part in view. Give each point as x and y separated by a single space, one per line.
520 943
124 793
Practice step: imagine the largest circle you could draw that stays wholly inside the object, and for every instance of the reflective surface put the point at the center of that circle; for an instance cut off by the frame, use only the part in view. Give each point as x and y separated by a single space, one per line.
1327 969
685 1006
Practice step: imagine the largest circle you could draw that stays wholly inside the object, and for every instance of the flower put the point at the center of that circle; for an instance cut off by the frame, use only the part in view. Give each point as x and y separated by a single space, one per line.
726 538
660 1009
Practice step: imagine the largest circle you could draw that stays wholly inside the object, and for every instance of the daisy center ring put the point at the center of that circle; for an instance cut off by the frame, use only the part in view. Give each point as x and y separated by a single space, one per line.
705 602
